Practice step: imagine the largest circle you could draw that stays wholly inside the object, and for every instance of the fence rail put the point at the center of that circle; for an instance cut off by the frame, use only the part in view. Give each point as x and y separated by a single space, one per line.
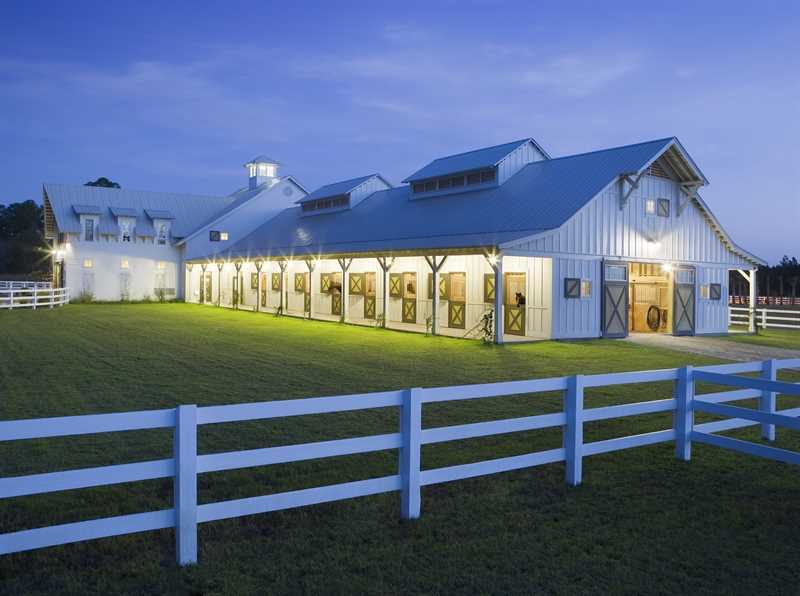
186 464
766 300
765 317
33 297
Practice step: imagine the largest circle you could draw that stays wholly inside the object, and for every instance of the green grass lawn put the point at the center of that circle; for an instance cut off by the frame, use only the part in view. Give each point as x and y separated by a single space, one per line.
641 522
773 338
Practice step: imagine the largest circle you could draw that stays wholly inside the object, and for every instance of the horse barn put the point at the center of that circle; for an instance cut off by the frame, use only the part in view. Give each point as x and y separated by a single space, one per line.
598 244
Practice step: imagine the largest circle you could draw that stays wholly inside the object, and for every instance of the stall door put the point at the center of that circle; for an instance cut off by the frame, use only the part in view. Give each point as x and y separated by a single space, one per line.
369 295
307 292
235 298
263 290
515 300
335 288
457 300
409 297
615 300
683 319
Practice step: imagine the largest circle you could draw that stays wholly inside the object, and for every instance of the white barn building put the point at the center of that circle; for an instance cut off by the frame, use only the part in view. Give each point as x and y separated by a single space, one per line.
598 244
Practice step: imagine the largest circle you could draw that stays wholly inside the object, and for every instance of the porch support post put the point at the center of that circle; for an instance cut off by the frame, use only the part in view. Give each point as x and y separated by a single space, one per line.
283 264
386 264
238 285
219 283
203 267
345 265
259 264
751 278
187 282
435 265
495 260
311 264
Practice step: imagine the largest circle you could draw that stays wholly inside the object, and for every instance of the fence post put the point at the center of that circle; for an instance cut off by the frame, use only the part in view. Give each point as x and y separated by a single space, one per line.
185 447
766 402
35 295
410 452
11 301
764 318
684 414
573 432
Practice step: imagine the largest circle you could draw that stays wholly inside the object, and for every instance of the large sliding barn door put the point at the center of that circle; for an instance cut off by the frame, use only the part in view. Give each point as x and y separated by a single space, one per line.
683 302
615 300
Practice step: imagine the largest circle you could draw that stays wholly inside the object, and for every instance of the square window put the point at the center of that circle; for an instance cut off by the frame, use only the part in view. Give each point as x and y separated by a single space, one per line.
161 265
444 183
487 176
572 287
418 187
457 181
87 263
663 207
650 206
715 292
124 264
430 185
213 236
586 288
223 236
474 178
616 273
88 230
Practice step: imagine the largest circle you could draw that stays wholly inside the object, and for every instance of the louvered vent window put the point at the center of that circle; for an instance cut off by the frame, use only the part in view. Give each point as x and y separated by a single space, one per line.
449 182
658 170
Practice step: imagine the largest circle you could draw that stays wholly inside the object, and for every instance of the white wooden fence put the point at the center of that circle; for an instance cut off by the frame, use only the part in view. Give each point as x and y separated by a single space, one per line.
32 297
186 464
765 317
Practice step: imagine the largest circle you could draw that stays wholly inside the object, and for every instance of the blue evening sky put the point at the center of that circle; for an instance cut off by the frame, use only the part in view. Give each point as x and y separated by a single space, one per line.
177 96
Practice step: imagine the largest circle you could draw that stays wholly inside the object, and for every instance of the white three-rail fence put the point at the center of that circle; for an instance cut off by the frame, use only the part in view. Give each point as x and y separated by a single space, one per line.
186 464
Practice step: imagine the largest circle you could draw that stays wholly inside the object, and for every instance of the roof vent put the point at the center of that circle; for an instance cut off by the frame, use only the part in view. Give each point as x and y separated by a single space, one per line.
261 170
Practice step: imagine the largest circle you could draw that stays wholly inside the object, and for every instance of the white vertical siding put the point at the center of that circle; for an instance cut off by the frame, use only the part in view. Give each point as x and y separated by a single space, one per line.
601 228
576 317
365 189
516 160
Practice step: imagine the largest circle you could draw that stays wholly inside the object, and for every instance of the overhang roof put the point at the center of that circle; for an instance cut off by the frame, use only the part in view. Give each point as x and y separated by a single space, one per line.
159 214
123 211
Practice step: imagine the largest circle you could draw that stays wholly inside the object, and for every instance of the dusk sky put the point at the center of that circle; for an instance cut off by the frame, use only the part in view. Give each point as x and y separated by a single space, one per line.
177 96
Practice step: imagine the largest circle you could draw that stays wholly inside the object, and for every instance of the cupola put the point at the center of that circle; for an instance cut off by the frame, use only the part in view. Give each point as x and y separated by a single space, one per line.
261 170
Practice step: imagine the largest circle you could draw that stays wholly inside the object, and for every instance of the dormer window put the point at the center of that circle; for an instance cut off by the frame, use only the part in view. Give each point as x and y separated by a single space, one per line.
335 203
162 233
125 230
487 176
88 229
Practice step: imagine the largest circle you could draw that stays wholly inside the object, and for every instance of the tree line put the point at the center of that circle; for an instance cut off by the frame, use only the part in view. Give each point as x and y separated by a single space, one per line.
776 281
24 252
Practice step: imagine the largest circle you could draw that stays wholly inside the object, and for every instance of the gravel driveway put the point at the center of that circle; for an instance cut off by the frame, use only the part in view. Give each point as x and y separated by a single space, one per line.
712 346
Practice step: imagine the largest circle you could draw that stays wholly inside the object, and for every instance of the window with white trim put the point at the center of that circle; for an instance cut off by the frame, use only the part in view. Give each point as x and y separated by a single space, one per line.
650 206
88 229
87 263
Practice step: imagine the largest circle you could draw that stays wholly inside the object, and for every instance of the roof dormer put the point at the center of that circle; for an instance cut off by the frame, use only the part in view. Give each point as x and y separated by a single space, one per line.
260 170
474 170
342 195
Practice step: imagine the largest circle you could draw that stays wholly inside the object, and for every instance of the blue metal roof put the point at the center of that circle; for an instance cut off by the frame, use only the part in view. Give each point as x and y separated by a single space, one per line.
263 159
144 227
336 188
123 211
189 210
86 209
159 214
541 196
464 162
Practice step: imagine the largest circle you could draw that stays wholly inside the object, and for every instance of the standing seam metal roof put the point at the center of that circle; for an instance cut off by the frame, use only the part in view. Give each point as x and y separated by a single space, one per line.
541 196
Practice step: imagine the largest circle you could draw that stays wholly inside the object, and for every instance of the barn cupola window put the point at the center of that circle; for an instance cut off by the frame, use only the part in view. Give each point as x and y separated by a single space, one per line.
470 180
261 170
343 195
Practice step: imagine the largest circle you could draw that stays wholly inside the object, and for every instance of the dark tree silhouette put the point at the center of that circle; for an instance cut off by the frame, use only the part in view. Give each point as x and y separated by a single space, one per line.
23 250
103 182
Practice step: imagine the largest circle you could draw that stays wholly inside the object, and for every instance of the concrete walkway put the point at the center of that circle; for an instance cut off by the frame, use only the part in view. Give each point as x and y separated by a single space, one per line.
712 346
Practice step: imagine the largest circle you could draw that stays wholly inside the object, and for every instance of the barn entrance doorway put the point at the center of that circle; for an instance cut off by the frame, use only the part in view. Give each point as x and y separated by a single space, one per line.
650 298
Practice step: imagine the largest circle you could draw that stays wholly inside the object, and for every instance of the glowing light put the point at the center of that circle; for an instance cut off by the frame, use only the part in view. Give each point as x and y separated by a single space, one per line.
492 259
666 267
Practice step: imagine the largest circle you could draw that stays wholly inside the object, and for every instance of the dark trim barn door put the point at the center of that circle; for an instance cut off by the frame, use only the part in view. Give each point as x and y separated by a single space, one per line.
409 297
615 300
683 321
514 308
457 300
369 294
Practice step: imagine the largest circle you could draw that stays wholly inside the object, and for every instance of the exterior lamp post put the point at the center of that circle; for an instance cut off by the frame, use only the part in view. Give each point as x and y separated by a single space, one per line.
219 283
